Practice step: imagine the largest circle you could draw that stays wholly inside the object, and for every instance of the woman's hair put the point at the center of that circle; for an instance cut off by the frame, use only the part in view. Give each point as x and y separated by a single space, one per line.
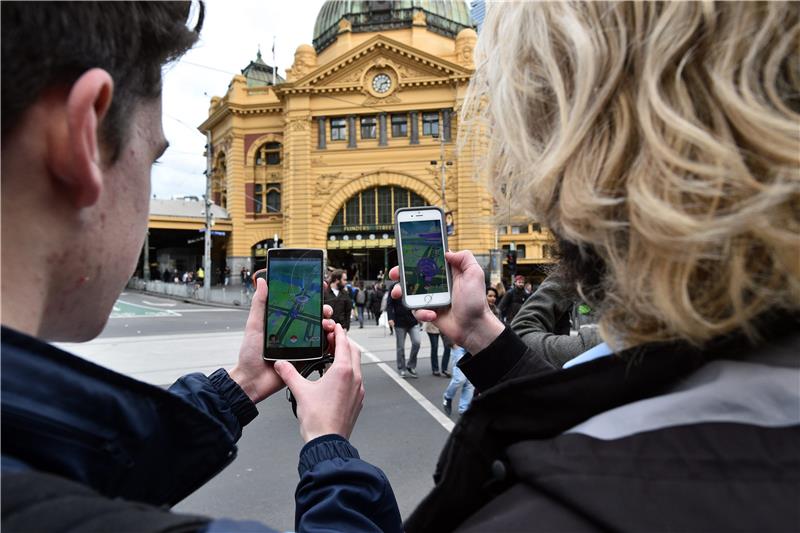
491 289
659 140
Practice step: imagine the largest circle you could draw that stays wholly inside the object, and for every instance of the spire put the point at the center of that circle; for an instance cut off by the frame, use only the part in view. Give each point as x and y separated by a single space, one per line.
258 55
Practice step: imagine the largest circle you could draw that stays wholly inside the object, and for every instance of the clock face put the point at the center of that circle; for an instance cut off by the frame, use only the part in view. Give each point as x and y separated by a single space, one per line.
381 83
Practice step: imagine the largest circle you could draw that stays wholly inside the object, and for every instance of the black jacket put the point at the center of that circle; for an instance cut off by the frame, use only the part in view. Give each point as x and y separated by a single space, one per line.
402 315
342 306
511 303
660 438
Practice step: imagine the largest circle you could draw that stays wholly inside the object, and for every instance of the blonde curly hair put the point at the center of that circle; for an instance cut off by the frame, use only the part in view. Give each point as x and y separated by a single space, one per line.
662 137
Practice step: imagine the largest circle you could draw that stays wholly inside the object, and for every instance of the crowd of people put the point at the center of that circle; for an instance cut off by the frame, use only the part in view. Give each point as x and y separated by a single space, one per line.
658 141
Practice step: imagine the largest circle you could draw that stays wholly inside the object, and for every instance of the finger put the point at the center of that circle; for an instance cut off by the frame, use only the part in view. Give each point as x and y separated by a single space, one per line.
327 311
255 321
461 260
425 315
325 286
342 355
394 273
397 292
356 355
328 325
331 342
289 374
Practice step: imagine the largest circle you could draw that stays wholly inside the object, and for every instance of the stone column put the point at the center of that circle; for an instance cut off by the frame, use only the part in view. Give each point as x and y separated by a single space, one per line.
351 131
382 130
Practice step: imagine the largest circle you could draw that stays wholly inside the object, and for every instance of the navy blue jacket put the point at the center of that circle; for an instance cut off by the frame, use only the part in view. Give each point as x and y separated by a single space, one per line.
126 439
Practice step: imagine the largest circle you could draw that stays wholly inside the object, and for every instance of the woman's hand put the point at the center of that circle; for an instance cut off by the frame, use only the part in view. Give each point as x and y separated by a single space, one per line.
468 321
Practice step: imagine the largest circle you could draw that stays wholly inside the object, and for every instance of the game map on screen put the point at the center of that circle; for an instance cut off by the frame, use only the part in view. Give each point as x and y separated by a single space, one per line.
423 257
295 303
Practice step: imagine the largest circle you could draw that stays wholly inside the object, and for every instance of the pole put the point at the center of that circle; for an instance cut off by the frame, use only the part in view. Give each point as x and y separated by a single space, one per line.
444 169
207 202
146 258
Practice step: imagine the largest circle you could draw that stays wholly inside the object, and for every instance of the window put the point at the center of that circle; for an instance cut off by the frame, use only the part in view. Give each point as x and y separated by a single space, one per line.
273 197
369 128
430 123
417 200
385 211
351 211
506 249
338 129
520 251
269 154
400 198
516 230
548 251
502 230
258 199
338 220
537 227
399 125
368 207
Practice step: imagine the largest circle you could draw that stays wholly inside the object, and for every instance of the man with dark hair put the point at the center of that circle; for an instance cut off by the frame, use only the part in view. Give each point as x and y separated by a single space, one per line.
84 448
338 297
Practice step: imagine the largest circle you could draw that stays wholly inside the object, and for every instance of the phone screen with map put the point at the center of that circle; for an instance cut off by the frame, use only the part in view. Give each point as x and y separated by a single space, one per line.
422 241
293 321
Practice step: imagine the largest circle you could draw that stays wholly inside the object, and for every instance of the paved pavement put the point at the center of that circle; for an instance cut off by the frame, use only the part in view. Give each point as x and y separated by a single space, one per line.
401 428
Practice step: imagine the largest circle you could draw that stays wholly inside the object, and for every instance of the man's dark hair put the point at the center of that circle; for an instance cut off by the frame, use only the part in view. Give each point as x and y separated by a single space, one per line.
336 275
47 44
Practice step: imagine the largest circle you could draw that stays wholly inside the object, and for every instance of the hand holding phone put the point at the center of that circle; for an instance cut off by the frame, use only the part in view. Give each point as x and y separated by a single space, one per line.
468 321
331 404
421 245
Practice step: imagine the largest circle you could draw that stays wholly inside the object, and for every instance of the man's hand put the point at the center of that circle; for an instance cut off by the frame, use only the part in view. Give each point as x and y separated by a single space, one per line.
468 321
255 376
391 323
331 404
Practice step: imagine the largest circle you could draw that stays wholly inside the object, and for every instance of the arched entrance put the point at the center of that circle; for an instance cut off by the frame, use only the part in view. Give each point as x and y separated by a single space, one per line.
361 236
258 252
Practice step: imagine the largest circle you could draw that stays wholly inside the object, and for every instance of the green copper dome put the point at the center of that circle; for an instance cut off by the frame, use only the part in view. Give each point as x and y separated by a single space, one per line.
442 16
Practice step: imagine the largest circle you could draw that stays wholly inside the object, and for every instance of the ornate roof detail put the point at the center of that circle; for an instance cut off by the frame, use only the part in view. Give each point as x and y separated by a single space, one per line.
446 17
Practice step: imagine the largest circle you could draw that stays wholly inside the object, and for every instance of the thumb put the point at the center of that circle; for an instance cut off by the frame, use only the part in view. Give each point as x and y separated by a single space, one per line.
289 374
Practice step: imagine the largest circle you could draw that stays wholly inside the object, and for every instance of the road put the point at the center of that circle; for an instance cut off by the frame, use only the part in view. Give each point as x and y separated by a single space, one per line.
401 428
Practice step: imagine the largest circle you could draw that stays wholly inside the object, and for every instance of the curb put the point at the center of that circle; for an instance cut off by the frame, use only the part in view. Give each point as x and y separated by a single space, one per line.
188 300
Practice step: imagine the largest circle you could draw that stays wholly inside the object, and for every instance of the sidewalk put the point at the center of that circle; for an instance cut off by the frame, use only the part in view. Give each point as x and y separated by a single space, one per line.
219 296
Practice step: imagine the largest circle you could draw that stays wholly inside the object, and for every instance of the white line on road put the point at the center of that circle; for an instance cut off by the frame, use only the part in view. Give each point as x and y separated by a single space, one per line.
165 304
145 307
437 415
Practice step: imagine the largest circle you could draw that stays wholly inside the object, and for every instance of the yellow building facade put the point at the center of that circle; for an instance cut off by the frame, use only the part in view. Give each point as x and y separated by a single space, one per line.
363 124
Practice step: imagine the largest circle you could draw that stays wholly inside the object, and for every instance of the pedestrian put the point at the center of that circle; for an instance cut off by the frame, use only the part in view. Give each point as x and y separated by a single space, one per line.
201 275
513 300
458 381
360 299
370 301
227 275
501 291
243 275
404 323
166 277
652 139
433 337
85 448
491 299
378 305
338 298
384 318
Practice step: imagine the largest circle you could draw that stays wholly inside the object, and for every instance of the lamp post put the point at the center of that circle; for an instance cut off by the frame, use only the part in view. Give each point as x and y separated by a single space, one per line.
207 210
443 167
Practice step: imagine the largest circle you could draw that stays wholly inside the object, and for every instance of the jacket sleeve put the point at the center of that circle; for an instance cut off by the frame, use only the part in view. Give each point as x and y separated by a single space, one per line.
505 358
218 396
390 310
340 492
536 321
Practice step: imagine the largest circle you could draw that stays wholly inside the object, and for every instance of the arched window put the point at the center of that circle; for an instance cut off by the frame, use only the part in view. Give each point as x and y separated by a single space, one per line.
269 154
375 206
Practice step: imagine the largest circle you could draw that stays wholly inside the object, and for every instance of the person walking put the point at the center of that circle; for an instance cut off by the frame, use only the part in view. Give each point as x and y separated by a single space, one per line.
404 323
433 335
458 381
513 300
338 297
360 299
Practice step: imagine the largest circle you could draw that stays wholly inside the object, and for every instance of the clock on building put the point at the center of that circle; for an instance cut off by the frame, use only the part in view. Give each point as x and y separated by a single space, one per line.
381 83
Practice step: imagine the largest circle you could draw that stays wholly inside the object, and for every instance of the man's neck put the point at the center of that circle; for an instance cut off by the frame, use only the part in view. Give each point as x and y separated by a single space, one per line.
24 294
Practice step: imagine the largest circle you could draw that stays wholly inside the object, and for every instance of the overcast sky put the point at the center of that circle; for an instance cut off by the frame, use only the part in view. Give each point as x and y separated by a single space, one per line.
232 32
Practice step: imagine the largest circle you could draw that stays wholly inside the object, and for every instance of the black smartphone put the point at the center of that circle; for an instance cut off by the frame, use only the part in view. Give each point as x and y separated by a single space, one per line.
293 321
421 243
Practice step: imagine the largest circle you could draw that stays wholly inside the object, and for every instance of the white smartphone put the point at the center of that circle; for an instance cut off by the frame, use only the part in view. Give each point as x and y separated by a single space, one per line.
421 243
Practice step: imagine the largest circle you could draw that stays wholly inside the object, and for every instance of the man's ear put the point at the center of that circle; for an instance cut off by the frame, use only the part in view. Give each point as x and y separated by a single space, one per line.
76 162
